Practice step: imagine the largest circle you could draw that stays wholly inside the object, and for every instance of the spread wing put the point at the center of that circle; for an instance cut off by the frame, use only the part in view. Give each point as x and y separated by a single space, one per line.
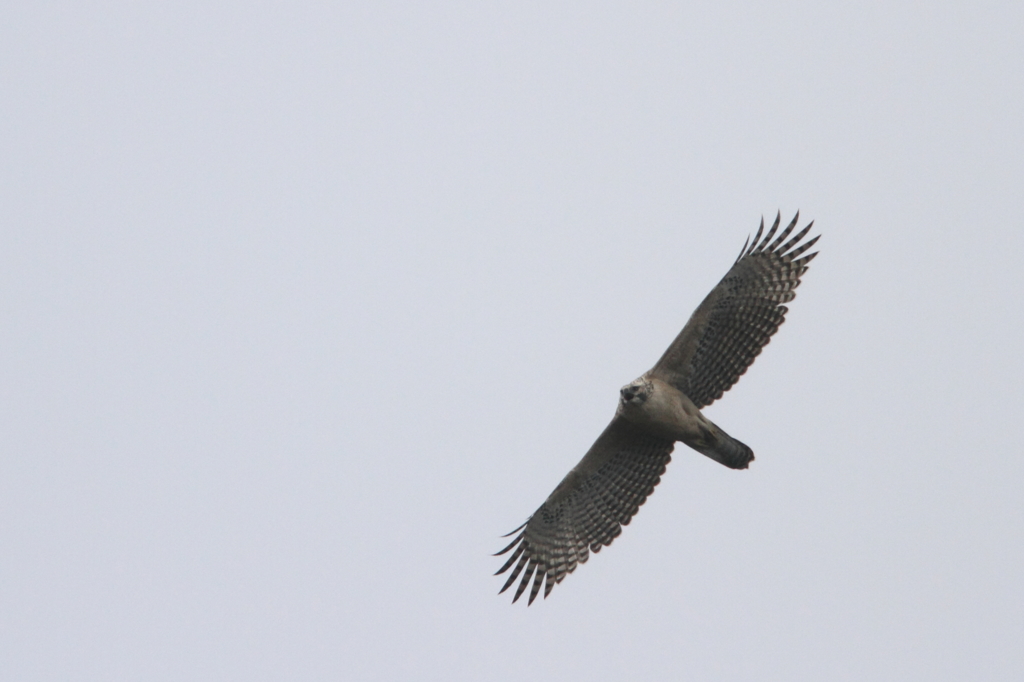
588 508
739 316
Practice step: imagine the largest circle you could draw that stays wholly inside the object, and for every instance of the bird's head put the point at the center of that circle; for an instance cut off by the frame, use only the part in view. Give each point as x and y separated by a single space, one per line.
636 393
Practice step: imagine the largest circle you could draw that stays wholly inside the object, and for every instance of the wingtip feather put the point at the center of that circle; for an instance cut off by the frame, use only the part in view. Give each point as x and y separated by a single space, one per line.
538 578
511 544
771 233
785 233
517 529
527 574
514 575
511 559
743 251
753 244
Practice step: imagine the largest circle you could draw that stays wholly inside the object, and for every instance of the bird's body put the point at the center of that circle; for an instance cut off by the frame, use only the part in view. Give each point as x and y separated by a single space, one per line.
662 410
723 336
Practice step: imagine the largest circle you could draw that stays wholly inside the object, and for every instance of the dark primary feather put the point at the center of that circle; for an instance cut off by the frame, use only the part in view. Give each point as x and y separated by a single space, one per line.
588 508
737 319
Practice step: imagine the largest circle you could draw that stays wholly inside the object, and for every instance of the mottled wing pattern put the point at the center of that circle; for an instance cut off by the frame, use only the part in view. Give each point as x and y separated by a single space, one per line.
739 316
588 508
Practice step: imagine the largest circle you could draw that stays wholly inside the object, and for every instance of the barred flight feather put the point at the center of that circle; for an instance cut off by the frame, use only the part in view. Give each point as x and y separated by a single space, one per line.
740 315
588 509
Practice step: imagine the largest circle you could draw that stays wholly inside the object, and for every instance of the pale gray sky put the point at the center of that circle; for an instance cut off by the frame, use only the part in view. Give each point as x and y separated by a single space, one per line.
302 305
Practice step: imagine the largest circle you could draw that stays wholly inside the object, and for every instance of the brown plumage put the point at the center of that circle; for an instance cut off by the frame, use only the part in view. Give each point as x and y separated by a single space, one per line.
737 319
720 341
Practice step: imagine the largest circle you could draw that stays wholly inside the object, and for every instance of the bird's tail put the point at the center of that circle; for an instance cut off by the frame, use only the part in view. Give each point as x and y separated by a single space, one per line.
721 447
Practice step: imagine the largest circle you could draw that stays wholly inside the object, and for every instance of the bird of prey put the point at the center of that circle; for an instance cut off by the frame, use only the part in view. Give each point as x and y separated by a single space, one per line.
720 341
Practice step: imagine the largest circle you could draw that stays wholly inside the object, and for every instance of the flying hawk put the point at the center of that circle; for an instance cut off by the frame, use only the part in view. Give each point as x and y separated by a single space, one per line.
723 336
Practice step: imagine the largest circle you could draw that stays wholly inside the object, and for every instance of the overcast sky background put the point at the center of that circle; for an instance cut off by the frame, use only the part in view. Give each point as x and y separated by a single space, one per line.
303 305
